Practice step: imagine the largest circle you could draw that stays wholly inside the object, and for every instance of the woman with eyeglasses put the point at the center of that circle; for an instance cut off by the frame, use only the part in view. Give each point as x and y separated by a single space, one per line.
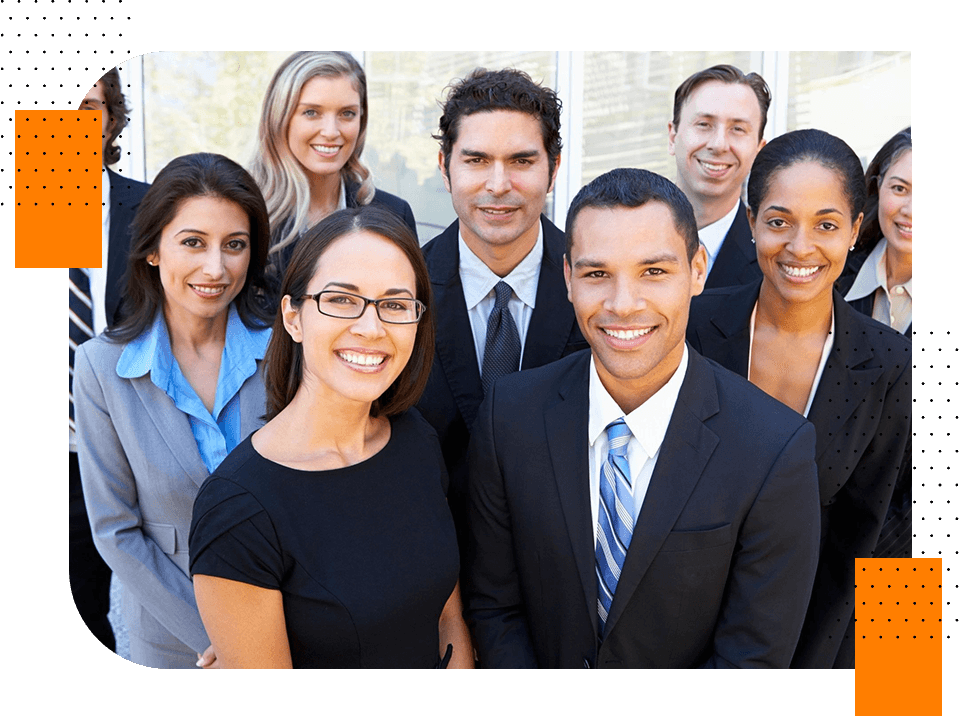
325 539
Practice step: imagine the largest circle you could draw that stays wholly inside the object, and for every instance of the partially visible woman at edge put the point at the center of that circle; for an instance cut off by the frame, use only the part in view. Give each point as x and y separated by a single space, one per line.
164 396
793 335
878 277
309 147
877 281
325 539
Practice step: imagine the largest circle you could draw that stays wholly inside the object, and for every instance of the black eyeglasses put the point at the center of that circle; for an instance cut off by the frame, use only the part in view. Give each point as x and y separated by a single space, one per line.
395 309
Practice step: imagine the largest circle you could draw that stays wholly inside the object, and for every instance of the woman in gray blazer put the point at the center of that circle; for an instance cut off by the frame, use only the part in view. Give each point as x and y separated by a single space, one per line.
162 397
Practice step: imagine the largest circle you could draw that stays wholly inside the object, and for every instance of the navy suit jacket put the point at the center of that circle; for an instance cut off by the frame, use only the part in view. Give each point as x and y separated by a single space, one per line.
723 554
125 196
736 263
454 392
865 304
862 413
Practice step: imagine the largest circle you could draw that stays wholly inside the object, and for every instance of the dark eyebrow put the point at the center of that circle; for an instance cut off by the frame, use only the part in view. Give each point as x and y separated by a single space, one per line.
707 115
310 104
200 231
784 210
527 154
664 258
904 181
356 289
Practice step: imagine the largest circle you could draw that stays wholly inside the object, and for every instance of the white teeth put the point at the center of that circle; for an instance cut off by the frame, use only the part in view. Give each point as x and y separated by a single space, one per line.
208 290
497 211
800 272
361 358
907 230
627 335
325 150
714 167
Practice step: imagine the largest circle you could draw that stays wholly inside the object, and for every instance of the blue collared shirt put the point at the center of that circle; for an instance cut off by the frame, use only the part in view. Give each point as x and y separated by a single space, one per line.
218 433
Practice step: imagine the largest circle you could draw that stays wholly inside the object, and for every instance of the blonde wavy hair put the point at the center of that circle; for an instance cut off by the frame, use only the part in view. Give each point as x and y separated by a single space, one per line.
281 178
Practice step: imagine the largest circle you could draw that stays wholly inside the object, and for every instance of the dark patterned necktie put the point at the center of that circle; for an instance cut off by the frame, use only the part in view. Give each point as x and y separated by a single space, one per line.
502 339
81 320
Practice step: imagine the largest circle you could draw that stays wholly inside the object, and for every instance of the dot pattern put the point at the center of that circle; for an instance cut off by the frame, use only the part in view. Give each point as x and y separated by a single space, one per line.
899 636
58 192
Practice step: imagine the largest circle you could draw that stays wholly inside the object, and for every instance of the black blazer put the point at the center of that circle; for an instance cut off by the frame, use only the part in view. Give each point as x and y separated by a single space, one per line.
722 559
862 413
125 197
865 304
736 263
454 391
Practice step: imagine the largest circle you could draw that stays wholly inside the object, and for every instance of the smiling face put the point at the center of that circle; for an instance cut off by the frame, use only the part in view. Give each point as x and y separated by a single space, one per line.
325 125
202 257
804 230
630 282
895 204
499 177
715 143
354 359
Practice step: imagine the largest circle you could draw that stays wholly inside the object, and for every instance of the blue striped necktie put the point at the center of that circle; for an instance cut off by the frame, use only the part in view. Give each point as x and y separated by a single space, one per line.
615 524
81 320
501 355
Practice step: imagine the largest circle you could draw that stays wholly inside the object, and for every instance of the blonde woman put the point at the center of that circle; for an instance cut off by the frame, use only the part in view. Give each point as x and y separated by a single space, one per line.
308 160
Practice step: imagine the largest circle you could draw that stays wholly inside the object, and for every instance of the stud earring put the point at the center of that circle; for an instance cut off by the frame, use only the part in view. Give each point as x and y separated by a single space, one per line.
852 248
753 240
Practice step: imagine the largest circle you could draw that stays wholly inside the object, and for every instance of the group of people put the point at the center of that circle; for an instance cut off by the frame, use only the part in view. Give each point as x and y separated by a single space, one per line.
301 440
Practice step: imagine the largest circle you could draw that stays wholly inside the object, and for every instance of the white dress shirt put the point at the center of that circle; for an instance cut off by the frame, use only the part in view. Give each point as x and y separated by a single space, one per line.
712 236
98 276
893 304
647 424
478 284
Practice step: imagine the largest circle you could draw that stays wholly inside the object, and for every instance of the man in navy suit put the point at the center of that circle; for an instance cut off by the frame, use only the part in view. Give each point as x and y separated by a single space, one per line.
497 271
719 115
637 505
89 574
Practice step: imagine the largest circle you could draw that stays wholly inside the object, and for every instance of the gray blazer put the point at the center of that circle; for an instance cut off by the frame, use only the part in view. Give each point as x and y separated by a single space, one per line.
141 468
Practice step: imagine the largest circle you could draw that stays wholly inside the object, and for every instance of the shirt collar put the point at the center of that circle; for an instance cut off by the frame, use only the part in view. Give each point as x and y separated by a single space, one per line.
712 236
150 352
648 422
872 274
478 280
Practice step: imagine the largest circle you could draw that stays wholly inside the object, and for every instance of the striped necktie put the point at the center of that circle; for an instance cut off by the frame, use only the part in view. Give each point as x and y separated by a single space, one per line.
502 339
615 524
81 320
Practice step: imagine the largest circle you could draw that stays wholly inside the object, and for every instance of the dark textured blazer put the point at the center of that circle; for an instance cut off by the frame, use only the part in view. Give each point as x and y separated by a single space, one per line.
862 414
736 263
125 197
723 554
454 391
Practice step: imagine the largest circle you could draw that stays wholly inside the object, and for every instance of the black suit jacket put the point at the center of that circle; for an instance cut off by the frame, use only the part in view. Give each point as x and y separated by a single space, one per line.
865 304
454 391
736 263
862 413
723 553
125 196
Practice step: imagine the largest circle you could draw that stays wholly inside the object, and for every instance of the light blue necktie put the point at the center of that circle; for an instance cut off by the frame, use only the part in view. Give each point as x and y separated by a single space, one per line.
615 524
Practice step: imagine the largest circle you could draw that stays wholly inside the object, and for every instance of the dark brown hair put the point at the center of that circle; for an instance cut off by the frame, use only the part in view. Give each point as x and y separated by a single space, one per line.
186 177
888 155
510 89
730 75
284 356
118 111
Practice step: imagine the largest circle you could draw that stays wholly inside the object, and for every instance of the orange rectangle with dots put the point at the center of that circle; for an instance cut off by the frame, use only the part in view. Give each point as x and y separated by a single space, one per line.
58 195
899 636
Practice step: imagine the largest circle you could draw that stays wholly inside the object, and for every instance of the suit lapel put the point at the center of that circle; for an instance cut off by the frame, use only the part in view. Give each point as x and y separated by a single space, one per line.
123 205
566 434
454 338
683 455
173 426
552 319
726 340
736 262
845 380
252 399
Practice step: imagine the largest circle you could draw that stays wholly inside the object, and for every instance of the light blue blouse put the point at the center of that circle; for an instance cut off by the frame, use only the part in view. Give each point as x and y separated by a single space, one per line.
216 433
